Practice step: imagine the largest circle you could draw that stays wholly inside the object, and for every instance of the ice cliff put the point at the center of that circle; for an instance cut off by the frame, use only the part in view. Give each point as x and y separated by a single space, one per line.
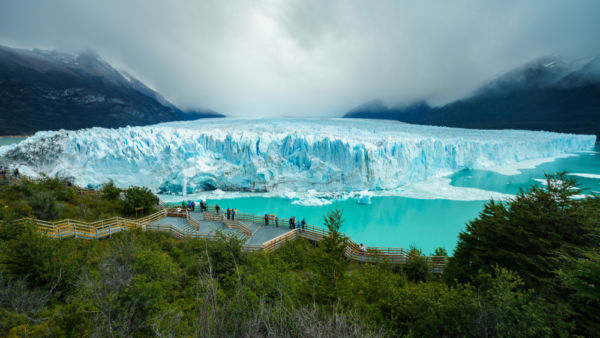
325 155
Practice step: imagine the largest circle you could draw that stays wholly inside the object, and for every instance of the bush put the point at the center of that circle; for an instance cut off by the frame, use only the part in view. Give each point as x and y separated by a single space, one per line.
416 268
110 192
136 197
44 206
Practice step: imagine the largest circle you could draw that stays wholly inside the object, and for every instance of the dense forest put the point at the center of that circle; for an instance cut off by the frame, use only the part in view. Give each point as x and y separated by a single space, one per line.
525 267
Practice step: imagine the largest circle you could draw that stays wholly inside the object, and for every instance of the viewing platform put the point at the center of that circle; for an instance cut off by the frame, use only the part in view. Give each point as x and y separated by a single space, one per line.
251 229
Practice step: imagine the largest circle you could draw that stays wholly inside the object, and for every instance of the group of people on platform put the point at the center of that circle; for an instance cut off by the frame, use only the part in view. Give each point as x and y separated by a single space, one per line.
6 173
300 225
231 213
191 205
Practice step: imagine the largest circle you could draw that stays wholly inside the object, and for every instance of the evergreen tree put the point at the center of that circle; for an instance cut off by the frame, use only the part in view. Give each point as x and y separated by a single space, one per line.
332 262
528 234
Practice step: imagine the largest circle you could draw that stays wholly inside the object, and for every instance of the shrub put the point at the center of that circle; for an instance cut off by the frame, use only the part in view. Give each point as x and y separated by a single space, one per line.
110 192
136 197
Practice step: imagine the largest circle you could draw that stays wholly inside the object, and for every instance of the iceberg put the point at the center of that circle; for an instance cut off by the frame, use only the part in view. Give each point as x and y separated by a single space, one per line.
279 156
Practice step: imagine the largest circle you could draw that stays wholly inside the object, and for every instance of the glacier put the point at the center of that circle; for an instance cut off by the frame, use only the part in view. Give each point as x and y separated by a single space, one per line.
280 156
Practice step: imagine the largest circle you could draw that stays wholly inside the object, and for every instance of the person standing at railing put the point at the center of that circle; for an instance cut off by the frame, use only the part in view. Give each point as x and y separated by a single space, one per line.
276 222
217 208
266 219
228 213
233 212
303 223
363 249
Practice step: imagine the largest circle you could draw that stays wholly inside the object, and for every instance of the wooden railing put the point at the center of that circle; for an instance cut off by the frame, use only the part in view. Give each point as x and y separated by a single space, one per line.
391 255
279 241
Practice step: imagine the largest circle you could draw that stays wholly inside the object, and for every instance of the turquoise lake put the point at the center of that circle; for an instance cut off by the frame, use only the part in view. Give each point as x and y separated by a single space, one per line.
424 223
4 141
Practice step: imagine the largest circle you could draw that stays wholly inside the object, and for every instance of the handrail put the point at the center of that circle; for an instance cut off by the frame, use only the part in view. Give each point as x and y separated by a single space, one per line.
394 255
105 228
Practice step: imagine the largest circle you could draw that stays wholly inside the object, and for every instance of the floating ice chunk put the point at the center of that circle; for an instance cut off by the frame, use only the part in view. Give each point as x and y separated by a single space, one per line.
312 201
595 176
364 197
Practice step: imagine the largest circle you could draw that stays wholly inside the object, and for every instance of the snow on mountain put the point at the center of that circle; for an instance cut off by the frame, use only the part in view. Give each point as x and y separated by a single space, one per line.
279 156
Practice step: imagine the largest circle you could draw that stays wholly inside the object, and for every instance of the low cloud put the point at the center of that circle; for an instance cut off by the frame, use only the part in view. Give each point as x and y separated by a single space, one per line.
307 57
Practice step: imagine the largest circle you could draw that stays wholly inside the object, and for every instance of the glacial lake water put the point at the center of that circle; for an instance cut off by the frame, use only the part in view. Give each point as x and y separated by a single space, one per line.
424 223
4 141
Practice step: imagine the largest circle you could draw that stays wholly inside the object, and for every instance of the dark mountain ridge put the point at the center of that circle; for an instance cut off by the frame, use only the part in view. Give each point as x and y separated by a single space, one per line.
47 90
547 94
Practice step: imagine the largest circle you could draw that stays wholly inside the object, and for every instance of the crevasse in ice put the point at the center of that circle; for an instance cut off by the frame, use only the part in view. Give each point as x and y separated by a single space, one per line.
278 155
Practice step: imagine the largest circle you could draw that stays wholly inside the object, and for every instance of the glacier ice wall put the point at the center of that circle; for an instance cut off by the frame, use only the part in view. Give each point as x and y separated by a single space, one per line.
325 155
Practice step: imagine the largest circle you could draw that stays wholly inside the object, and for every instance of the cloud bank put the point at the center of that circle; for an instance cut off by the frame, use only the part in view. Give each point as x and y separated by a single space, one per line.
307 57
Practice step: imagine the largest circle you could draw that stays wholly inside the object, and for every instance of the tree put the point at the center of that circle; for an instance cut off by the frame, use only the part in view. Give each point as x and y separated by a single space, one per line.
110 192
332 263
528 235
582 279
416 268
136 197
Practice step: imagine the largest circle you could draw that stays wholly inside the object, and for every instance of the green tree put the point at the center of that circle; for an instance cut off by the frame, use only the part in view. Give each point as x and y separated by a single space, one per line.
110 192
528 235
416 268
332 263
136 197
582 278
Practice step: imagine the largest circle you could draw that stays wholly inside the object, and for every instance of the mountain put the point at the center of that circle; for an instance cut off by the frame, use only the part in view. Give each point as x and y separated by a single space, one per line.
547 94
48 90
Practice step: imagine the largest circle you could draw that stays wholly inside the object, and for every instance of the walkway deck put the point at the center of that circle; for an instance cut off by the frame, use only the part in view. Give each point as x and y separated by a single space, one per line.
260 233
257 235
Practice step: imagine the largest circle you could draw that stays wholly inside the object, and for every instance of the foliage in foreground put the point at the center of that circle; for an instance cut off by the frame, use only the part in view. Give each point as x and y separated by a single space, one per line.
53 199
150 284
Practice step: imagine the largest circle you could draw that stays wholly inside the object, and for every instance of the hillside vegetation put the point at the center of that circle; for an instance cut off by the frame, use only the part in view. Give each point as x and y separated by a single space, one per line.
528 267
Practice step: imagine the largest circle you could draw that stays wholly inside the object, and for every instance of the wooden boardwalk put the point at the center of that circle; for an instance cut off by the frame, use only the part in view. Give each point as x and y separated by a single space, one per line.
257 235
180 223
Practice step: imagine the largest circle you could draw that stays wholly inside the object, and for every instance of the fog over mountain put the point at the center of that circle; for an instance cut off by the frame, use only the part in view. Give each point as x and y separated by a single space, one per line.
307 58
48 90
548 93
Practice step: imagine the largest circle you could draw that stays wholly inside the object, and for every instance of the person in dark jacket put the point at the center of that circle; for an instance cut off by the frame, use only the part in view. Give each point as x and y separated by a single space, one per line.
266 219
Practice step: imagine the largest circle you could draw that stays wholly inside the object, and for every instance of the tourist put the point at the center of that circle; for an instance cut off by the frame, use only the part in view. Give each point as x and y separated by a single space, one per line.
228 213
363 249
290 223
16 173
303 223
233 212
217 208
266 219
276 222
193 206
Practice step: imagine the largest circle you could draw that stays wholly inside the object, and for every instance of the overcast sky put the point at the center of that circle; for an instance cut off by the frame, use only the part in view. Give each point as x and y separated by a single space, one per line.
305 57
